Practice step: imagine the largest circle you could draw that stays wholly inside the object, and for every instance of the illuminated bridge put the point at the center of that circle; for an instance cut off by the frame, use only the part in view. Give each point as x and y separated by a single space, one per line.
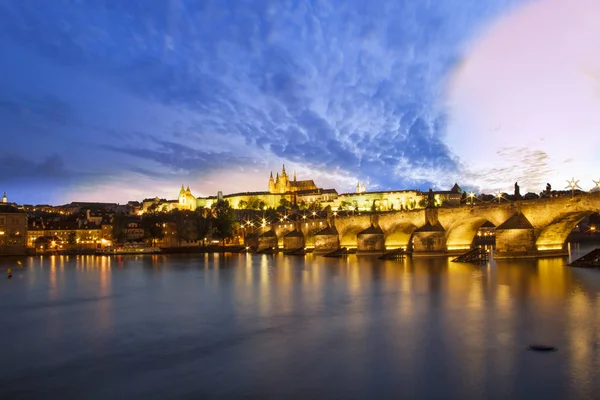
523 228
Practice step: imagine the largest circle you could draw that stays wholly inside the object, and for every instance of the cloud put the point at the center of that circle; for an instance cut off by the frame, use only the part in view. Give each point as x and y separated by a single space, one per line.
186 87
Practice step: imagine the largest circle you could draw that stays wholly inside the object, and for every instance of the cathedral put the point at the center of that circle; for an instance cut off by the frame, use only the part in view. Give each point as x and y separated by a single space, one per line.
186 200
282 184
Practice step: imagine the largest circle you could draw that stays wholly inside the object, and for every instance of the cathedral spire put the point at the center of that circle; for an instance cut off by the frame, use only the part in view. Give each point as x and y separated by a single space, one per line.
283 170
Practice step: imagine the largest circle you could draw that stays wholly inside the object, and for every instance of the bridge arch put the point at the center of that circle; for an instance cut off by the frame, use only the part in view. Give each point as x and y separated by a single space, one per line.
554 235
461 234
349 235
399 235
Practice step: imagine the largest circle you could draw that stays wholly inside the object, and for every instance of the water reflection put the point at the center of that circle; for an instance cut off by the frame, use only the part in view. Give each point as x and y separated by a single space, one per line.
350 327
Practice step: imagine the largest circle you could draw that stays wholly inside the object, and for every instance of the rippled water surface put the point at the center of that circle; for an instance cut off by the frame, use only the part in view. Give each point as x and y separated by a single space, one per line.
254 326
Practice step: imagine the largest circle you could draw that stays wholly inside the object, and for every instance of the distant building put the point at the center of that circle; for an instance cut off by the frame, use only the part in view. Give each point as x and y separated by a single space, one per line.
63 234
13 230
185 201
360 188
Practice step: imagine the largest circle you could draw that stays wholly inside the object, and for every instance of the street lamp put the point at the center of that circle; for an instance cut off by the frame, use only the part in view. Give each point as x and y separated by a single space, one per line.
498 194
471 195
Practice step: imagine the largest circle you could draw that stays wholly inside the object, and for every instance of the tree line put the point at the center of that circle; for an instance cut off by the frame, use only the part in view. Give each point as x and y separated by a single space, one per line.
218 222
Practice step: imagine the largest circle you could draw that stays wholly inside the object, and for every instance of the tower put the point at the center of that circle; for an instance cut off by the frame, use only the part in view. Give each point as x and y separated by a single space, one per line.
271 183
4 198
182 195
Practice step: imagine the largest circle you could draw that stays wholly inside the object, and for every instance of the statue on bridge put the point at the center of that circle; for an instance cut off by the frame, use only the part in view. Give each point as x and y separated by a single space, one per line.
430 199
517 191
548 189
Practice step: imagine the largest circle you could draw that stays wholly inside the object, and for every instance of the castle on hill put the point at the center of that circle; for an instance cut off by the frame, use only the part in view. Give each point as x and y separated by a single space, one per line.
282 184
305 192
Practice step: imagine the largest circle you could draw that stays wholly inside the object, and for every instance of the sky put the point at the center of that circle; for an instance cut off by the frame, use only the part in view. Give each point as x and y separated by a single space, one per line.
118 100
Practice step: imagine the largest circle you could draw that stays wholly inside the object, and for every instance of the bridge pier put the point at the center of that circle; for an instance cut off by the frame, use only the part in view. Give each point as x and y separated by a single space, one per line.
515 238
370 241
327 240
429 240
268 240
293 240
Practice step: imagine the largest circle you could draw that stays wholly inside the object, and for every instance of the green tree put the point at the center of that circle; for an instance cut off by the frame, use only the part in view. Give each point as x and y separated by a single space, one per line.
315 206
243 205
224 220
345 205
254 203
284 204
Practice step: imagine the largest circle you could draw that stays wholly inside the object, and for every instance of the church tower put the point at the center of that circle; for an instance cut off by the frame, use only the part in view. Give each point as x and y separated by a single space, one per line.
4 198
271 184
182 195
284 182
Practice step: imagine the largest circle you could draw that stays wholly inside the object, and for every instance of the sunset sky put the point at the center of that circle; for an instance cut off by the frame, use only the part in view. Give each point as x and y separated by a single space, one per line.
128 99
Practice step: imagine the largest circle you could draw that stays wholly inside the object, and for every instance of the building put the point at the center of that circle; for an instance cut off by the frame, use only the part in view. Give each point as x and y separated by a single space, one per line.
282 184
185 201
134 232
13 230
63 234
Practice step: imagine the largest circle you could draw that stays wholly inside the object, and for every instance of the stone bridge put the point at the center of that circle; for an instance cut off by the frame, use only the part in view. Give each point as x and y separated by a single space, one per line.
523 228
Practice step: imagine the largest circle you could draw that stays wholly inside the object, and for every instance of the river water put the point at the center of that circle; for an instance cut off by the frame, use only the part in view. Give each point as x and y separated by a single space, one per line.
252 326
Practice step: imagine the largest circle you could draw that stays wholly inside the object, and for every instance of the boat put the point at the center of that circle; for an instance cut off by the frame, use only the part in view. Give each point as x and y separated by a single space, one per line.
128 249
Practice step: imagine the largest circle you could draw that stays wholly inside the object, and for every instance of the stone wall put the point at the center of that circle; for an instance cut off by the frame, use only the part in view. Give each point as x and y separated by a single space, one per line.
371 242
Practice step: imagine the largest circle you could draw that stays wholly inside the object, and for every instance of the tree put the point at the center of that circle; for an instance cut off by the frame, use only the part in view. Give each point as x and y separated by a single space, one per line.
203 222
224 220
345 205
284 204
119 229
255 203
243 205
315 206
185 228
152 224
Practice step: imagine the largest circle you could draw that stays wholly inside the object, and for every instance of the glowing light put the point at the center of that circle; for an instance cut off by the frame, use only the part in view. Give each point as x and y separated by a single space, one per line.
459 247
548 247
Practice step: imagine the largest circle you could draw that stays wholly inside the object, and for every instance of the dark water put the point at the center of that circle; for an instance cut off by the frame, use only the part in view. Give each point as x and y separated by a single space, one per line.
275 327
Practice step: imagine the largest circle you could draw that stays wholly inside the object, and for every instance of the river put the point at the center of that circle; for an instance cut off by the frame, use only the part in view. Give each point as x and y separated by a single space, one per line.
252 326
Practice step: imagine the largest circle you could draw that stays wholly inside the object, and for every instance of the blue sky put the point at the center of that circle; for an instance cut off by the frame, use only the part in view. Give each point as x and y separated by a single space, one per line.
122 100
